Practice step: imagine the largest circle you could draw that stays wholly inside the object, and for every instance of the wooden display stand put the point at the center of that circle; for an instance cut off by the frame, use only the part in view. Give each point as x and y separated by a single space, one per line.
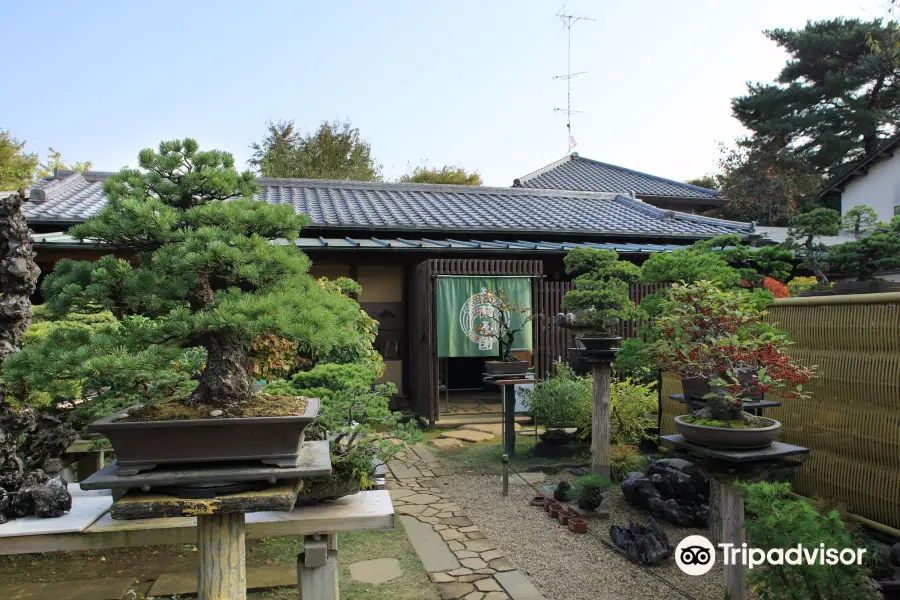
723 468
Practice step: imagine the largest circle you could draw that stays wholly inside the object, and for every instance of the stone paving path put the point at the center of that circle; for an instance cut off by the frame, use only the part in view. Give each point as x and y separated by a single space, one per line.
480 569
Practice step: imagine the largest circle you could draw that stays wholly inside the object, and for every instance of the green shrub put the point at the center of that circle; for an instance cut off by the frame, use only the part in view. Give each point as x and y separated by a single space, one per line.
629 401
589 490
774 520
623 459
562 400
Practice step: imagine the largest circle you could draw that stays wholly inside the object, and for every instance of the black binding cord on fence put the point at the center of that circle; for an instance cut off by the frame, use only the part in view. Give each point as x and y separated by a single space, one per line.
610 545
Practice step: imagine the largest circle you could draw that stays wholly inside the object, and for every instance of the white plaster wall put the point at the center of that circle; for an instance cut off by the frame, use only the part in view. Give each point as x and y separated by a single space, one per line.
880 189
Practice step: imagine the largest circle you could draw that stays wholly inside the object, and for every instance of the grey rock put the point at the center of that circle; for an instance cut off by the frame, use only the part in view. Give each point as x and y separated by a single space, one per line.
646 544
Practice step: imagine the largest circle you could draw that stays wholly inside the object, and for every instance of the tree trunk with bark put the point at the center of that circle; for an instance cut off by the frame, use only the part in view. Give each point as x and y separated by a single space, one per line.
226 381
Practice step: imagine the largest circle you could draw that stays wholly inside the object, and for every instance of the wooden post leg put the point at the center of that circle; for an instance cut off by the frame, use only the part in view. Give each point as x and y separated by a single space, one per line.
221 574
509 410
600 374
89 464
715 511
317 569
733 533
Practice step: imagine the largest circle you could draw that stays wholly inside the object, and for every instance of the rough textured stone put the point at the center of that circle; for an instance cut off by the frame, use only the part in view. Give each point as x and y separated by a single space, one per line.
473 563
441 578
647 544
467 436
379 570
447 443
476 535
488 585
451 534
671 489
452 591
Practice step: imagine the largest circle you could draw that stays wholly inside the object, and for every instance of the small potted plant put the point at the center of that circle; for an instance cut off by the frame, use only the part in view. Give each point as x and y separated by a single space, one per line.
719 336
876 249
559 402
600 299
589 490
207 276
501 319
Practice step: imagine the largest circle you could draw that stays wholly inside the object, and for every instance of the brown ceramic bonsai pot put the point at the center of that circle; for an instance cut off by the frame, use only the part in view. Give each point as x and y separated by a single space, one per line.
596 343
547 505
729 439
577 525
538 501
694 388
499 367
564 517
142 445
555 507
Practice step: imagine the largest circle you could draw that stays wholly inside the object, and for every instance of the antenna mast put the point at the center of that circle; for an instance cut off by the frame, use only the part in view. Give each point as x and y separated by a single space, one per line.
568 21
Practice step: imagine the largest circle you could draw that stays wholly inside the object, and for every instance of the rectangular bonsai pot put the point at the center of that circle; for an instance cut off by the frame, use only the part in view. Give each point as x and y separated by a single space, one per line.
499 367
142 445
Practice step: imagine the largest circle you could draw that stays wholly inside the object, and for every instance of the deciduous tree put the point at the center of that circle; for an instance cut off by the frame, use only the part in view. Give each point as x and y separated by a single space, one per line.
447 175
16 166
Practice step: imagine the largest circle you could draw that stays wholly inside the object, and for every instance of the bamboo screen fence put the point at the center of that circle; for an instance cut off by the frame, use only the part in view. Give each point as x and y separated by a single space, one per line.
851 422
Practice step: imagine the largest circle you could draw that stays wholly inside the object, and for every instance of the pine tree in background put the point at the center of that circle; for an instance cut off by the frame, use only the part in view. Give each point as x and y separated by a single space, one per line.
446 175
206 271
835 100
16 166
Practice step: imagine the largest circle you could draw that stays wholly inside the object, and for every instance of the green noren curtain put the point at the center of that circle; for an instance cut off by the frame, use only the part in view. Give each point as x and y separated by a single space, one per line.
456 305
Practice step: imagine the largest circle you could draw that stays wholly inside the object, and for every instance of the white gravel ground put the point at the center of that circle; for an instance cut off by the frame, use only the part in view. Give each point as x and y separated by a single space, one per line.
566 566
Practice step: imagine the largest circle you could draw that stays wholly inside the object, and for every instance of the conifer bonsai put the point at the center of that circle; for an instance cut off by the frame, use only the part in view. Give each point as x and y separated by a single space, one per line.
600 299
206 273
876 249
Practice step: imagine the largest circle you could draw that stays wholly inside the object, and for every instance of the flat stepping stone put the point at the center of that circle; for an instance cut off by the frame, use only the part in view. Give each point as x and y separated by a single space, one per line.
456 521
468 436
488 585
492 428
94 589
380 570
422 499
454 591
518 587
425 454
501 564
259 578
432 550
447 443
402 471
480 545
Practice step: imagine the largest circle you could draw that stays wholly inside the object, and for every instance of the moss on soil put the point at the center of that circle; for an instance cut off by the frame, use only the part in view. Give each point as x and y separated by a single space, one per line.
261 405
737 424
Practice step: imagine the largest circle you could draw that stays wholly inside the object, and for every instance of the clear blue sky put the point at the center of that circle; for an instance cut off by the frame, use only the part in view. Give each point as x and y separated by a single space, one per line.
466 82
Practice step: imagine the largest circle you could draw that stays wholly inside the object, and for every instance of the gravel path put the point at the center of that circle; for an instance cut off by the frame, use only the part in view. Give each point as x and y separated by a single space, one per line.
566 566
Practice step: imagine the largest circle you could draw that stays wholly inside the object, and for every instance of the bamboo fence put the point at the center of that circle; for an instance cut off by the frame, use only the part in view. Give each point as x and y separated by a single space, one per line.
851 421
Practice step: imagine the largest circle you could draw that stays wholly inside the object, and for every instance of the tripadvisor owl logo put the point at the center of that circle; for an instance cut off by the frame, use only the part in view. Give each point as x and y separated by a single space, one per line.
695 555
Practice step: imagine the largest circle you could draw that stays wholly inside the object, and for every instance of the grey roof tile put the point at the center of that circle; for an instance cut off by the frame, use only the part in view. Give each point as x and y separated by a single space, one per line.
398 207
577 173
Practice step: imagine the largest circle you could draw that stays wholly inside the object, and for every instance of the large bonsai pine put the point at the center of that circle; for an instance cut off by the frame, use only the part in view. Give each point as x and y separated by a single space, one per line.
206 269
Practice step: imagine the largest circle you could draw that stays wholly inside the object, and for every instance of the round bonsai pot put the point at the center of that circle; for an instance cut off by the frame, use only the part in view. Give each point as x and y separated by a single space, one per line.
564 517
555 507
729 439
539 501
577 525
499 367
597 343
142 445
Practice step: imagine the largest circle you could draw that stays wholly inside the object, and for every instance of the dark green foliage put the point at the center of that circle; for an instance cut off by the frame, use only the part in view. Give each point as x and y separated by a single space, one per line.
689 264
334 151
774 520
446 175
708 182
16 166
206 275
802 236
834 101
600 298
859 220
866 256
752 264
589 490
560 401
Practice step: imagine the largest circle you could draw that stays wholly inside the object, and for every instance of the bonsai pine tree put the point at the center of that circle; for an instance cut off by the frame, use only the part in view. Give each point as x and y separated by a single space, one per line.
496 309
859 220
206 271
866 256
600 298
802 236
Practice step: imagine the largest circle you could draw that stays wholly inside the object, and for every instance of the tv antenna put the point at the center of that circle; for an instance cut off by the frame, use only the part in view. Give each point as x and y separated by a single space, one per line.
568 22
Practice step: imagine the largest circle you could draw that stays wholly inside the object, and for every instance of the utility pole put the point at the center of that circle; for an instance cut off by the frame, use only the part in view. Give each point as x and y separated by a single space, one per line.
568 22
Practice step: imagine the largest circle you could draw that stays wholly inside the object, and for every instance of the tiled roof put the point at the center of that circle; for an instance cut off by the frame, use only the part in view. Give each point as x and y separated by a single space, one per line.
62 239
396 207
576 173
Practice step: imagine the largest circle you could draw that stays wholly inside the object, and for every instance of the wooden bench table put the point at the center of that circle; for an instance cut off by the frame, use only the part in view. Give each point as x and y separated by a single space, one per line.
317 567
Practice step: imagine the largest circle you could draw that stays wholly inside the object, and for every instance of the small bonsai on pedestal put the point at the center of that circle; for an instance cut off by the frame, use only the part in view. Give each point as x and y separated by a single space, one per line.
496 312
600 299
